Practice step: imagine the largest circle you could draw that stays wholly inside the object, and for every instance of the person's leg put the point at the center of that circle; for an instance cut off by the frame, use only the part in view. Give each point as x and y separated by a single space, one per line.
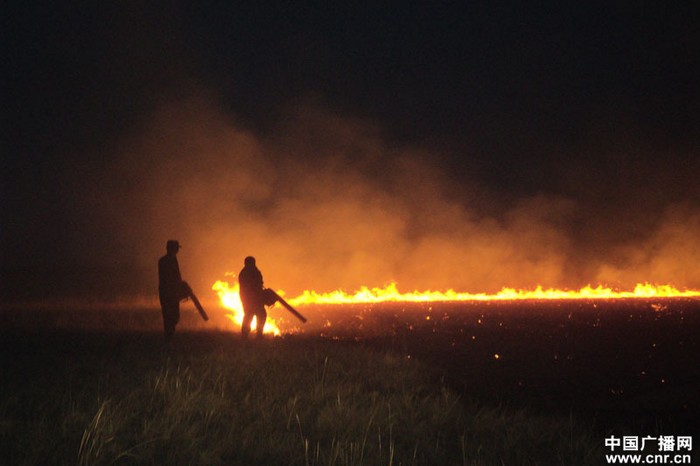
261 318
171 316
170 319
176 314
245 325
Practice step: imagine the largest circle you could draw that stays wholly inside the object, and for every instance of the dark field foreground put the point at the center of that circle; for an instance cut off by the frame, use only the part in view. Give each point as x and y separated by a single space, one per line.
526 383
625 366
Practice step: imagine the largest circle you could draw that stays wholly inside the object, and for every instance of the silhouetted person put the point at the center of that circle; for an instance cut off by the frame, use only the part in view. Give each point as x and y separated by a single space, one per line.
171 288
250 282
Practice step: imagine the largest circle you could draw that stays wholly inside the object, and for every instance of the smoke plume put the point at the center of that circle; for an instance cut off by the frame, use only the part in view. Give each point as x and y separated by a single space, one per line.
327 202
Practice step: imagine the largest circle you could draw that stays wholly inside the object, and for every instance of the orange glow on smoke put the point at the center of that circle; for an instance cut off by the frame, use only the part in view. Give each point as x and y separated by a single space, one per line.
231 301
390 293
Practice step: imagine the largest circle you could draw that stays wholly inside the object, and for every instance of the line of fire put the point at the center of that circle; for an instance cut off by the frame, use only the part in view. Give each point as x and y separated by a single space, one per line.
230 300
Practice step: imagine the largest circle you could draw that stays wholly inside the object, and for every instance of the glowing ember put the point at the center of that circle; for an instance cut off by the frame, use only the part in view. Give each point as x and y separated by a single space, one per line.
231 300
390 293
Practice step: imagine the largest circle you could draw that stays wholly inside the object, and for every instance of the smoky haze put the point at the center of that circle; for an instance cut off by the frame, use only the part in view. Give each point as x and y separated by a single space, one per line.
327 202
470 145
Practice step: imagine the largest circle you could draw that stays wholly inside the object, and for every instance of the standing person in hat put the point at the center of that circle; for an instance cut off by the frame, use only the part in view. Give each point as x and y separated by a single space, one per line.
250 282
171 288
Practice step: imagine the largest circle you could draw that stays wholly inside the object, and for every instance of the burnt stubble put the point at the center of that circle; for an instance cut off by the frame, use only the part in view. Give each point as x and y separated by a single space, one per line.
618 365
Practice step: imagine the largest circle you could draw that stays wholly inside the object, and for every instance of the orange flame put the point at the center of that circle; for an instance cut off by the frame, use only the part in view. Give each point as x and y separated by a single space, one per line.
230 298
231 301
390 293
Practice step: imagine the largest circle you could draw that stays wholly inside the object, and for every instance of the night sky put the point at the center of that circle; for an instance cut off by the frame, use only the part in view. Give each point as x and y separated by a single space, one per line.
465 145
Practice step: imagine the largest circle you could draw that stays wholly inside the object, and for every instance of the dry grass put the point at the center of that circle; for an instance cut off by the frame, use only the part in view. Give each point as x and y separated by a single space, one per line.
123 399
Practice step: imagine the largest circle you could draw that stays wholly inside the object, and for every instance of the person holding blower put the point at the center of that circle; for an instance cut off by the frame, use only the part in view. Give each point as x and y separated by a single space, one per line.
171 288
250 283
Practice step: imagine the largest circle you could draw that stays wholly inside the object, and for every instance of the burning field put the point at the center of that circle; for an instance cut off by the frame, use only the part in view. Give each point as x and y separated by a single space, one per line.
606 355
230 300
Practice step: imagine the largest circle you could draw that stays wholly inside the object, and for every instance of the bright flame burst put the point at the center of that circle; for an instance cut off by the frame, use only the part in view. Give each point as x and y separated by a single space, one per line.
232 302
